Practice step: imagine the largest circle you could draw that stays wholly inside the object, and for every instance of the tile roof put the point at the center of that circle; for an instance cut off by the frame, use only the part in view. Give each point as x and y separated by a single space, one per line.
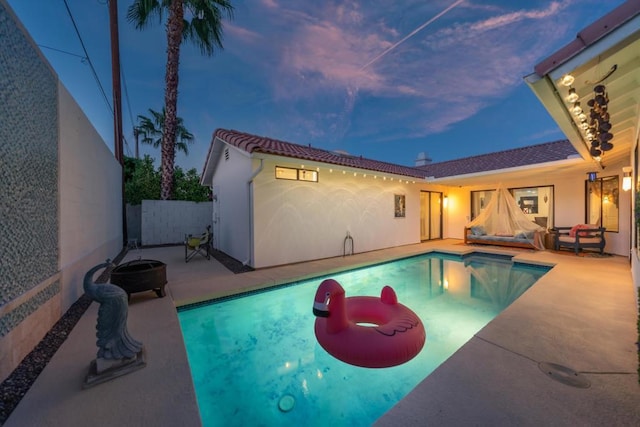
517 157
253 143
589 36
524 156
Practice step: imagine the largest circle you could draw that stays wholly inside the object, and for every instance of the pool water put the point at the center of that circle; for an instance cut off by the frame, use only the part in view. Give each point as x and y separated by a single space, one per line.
255 359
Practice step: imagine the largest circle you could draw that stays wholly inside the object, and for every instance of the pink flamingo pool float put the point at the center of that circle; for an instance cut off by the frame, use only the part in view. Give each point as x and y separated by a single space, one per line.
366 331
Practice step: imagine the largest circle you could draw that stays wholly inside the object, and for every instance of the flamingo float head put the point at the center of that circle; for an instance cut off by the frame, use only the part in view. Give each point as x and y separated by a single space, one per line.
327 292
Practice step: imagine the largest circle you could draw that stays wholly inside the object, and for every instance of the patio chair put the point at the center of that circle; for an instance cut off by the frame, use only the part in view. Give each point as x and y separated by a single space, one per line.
579 237
198 245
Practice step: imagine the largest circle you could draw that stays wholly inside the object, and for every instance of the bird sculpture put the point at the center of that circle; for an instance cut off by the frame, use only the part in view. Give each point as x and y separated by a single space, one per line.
114 341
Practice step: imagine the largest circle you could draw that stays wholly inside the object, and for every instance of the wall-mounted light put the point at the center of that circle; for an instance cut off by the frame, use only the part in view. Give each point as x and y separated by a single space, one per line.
567 80
445 202
573 96
626 179
594 124
576 109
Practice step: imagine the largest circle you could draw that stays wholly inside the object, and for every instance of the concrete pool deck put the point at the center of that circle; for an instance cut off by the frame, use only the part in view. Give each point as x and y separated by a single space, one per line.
582 315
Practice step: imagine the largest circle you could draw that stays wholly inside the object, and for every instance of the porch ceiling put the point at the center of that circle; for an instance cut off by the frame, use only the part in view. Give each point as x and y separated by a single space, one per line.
608 53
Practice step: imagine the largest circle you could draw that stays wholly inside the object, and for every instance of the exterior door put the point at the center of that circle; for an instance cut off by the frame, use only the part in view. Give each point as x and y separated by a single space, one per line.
430 215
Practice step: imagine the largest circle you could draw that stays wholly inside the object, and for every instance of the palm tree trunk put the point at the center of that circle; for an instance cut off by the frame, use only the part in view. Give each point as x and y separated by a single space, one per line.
174 39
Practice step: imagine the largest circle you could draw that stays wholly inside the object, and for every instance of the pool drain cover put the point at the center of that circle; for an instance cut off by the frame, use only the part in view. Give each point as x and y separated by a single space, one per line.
286 403
564 375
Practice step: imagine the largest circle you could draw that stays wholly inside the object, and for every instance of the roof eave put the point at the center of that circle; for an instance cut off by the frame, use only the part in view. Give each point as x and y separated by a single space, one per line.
457 179
548 95
595 41
327 164
623 21
215 151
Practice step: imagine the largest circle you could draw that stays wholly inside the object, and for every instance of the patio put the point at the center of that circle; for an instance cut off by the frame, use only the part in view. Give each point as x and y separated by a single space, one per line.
566 318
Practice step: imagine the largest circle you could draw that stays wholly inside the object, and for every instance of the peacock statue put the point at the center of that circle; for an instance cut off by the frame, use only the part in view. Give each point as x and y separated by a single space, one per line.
114 341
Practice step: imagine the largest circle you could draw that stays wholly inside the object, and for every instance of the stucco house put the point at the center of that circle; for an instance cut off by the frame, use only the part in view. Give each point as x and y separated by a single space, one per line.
277 202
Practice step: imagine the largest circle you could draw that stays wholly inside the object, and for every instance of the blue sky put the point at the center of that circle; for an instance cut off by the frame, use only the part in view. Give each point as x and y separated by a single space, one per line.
378 78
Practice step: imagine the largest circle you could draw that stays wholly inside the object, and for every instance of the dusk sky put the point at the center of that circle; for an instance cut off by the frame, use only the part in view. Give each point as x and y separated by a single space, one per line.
379 78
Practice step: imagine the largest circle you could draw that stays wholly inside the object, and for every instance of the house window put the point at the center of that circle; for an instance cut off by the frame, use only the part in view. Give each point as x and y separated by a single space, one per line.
602 197
307 175
296 174
536 203
479 201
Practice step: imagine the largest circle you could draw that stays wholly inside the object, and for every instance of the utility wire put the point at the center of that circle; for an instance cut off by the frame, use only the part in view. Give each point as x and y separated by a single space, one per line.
126 95
87 59
83 59
93 70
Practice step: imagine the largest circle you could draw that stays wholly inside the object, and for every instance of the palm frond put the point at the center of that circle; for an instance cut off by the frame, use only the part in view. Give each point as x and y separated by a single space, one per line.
151 130
141 12
205 28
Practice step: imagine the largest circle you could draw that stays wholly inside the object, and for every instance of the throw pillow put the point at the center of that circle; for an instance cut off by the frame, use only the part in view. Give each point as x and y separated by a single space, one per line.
575 228
478 230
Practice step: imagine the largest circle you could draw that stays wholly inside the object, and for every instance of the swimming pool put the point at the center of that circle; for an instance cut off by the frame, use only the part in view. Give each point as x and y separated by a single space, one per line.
255 359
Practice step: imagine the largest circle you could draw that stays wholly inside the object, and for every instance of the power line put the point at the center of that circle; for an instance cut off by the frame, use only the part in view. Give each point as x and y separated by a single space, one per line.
126 95
93 70
87 59
83 59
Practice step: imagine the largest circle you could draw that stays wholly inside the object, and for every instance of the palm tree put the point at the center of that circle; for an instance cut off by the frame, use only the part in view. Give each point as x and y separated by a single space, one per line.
198 21
152 130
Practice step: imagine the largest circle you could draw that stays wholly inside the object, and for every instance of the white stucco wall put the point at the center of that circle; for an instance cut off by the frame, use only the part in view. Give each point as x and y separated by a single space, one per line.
297 221
231 225
456 215
90 198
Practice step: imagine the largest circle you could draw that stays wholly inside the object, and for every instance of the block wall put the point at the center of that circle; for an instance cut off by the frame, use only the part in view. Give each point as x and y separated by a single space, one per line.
43 209
28 190
167 221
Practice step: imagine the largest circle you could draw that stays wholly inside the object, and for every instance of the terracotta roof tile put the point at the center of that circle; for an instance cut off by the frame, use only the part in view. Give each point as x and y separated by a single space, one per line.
524 156
517 157
253 143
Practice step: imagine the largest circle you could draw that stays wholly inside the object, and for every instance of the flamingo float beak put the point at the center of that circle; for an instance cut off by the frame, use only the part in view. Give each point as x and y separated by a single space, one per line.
321 309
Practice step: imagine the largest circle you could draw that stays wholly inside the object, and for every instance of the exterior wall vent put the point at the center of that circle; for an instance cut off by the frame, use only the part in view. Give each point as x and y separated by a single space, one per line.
226 154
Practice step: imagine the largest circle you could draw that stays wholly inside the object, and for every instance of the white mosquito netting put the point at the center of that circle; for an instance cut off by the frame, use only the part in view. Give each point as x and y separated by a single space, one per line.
503 217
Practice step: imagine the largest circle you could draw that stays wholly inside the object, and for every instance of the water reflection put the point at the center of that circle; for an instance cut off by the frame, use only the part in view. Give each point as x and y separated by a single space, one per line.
498 282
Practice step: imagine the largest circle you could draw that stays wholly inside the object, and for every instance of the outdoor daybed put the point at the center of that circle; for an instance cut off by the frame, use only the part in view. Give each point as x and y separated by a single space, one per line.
578 237
519 239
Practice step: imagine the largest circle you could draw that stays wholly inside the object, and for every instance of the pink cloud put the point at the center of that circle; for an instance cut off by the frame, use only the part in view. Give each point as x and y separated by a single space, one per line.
447 72
242 34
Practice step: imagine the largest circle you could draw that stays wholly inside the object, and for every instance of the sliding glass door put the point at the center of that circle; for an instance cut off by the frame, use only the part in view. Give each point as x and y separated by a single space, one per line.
430 215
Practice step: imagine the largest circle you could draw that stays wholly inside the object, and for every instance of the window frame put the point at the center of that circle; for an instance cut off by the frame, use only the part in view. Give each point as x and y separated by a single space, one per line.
615 195
487 194
300 174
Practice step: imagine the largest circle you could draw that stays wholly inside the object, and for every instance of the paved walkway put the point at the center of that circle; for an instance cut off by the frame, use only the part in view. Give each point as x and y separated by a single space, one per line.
581 315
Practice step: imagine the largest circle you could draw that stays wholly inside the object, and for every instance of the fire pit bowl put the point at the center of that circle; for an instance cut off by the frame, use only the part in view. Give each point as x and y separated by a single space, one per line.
141 275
